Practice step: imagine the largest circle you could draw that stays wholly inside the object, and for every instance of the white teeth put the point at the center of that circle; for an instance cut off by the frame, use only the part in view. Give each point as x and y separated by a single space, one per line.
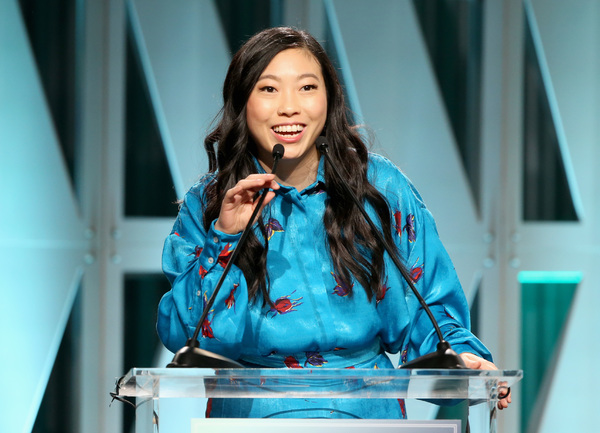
288 128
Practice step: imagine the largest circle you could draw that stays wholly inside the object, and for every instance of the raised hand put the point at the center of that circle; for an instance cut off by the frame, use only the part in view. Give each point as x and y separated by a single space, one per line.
240 201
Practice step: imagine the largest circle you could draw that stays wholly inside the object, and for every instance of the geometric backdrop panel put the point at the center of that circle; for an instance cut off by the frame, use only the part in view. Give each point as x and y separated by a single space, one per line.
42 241
567 37
184 56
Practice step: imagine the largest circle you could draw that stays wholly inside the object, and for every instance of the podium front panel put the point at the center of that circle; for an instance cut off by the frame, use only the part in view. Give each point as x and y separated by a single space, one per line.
175 400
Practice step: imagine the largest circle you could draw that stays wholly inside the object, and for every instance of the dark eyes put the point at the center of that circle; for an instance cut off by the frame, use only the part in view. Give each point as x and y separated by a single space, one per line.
271 89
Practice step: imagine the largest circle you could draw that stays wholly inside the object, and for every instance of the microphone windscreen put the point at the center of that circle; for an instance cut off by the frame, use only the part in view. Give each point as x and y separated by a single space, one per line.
278 151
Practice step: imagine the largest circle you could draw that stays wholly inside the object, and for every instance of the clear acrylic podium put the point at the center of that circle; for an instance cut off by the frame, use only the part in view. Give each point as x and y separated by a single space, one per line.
173 400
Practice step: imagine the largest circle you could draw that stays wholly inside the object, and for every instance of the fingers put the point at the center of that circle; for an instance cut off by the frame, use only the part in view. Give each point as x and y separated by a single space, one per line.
487 365
239 202
504 395
503 403
503 390
245 190
475 362
472 361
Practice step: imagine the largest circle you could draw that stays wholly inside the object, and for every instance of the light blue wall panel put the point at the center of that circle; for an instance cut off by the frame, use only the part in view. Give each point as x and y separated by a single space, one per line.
41 237
184 57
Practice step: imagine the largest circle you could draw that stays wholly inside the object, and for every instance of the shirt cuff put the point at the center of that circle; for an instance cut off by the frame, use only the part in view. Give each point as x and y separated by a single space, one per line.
218 248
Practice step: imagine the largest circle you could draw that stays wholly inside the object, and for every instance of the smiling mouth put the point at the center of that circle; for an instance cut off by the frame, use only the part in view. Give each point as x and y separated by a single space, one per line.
288 131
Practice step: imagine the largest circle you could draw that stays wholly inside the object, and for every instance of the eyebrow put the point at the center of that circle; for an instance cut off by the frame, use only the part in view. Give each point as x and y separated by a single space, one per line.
300 77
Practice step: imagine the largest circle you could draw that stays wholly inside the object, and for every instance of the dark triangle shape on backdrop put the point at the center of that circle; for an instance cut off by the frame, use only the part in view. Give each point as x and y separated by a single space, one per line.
52 29
546 191
452 32
149 189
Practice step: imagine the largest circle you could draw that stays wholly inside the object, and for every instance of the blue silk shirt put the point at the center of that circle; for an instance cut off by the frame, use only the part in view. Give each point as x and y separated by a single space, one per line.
315 323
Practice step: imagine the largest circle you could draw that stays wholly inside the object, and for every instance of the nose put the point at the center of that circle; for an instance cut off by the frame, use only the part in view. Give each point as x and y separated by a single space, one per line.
288 104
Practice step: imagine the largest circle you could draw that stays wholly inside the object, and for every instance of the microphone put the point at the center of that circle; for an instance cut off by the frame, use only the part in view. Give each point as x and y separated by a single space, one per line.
444 357
190 355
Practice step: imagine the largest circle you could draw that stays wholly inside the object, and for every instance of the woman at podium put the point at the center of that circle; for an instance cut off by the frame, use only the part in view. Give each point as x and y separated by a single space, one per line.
312 287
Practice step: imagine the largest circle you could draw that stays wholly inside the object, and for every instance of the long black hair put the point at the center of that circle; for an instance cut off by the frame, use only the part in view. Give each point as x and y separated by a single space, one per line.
354 252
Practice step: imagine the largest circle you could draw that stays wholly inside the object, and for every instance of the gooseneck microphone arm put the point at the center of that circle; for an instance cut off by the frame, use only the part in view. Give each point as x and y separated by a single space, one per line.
191 355
444 357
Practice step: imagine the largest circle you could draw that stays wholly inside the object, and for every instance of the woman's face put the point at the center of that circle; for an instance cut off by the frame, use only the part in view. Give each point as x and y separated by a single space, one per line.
288 105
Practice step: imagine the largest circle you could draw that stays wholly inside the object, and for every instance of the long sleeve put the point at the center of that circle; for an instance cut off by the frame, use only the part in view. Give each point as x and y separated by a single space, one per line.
435 277
407 327
193 262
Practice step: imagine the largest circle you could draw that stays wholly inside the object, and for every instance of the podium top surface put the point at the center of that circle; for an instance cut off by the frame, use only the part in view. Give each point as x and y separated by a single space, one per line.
316 383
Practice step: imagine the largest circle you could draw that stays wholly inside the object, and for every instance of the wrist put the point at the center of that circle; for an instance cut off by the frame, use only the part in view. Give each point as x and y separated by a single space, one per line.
219 228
